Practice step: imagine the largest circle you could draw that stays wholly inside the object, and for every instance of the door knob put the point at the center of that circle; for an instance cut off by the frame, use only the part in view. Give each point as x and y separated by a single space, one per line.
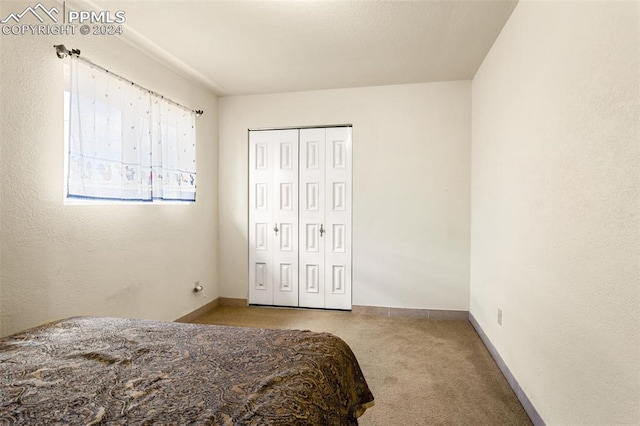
276 229
321 230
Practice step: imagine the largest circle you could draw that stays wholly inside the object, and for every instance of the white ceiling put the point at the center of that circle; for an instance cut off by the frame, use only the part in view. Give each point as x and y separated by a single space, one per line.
250 47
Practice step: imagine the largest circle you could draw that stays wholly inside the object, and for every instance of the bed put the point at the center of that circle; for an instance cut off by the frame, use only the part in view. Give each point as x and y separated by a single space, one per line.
112 371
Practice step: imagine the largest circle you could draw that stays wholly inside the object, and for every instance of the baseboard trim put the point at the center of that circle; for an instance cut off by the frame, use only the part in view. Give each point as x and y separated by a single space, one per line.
200 311
228 301
522 397
433 314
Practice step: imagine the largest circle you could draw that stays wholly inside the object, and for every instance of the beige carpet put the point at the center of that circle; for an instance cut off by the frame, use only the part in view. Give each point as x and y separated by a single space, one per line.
421 372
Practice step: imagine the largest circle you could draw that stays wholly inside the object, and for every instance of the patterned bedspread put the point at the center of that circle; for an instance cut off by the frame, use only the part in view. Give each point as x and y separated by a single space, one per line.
111 371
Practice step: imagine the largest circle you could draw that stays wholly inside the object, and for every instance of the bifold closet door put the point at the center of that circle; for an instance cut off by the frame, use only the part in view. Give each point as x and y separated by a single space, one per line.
300 217
273 217
325 218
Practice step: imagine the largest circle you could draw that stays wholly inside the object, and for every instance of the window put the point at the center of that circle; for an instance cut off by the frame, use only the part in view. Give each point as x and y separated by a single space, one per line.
124 142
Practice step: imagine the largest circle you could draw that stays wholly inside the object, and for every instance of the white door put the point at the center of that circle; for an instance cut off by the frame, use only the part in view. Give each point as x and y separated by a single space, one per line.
312 207
273 217
260 218
337 220
325 218
285 218
300 217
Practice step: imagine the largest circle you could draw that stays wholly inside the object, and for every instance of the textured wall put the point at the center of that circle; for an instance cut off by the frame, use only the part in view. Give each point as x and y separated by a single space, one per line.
2 127
410 187
114 260
554 223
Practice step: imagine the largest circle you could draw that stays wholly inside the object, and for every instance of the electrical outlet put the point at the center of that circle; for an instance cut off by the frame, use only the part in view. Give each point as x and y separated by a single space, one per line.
499 316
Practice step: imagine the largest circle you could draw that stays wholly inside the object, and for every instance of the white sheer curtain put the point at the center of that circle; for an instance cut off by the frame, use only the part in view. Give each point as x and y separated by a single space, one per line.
173 152
126 143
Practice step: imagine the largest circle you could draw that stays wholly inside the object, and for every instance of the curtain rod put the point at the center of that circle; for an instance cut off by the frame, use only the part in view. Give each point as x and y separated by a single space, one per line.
62 51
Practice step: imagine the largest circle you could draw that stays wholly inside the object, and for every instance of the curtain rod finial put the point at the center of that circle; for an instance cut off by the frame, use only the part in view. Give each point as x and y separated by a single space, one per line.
62 51
199 112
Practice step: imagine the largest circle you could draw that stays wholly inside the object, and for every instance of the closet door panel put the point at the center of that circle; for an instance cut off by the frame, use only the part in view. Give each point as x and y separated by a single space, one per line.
338 181
312 228
261 241
285 217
